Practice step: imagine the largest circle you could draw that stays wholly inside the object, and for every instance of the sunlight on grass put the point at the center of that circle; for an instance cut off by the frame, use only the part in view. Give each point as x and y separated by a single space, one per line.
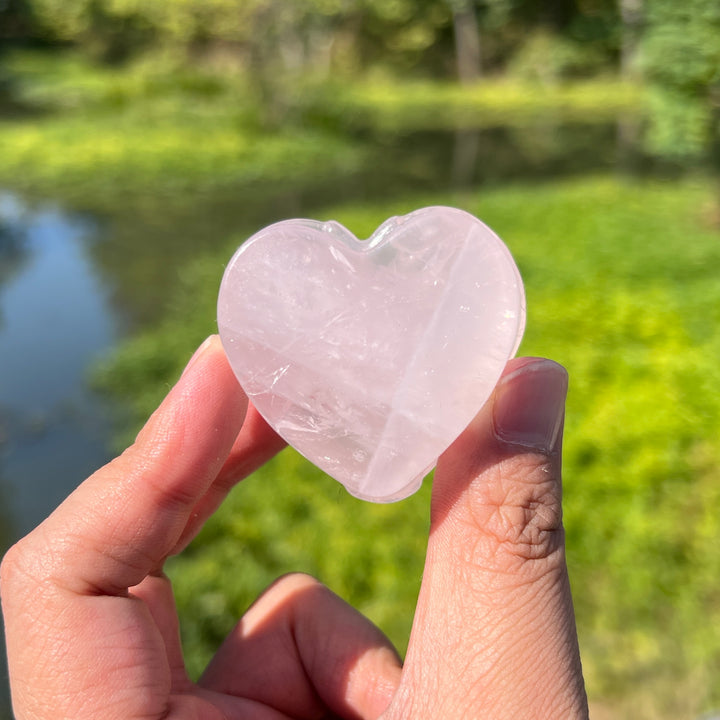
440 105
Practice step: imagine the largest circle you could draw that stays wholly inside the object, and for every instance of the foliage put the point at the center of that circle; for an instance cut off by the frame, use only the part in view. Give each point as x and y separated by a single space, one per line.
159 129
132 147
622 289
15 19
385 103
262 34
320 35
150 130
549 59
681 56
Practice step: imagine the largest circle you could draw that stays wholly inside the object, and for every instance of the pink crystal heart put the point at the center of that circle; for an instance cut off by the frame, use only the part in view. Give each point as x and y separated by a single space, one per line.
371 357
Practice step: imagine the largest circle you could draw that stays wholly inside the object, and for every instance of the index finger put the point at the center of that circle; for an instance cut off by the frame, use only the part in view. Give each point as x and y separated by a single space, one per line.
122 522
253 447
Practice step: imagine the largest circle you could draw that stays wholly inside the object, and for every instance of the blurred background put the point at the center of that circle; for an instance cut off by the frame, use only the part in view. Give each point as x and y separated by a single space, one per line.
141 142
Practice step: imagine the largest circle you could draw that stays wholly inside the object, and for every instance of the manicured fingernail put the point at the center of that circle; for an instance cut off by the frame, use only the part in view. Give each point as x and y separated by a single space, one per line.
529 405
198 353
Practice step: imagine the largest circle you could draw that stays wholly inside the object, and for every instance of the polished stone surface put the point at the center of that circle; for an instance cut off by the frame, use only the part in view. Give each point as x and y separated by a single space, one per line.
370 357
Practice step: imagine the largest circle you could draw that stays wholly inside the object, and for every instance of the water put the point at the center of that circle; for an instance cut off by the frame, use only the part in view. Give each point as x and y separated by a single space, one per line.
55 319
72 286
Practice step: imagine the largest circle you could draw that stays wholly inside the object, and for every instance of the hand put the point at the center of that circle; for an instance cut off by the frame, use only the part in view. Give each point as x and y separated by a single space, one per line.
92 630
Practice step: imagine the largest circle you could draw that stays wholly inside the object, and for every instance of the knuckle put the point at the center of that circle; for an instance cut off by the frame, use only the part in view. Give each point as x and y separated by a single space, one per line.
289 585
15 572
30 567
7 568
517 510
293 582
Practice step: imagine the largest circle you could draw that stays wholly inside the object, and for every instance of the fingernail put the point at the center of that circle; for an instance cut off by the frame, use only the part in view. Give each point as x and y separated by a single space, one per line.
529 405
198 353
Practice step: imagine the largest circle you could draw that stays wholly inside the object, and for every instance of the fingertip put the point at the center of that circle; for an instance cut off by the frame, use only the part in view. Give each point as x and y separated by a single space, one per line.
529 404
209 358
526 408
511 449
209 342
209 378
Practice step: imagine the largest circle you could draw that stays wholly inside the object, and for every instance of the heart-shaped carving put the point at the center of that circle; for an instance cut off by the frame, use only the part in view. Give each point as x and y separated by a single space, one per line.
371 357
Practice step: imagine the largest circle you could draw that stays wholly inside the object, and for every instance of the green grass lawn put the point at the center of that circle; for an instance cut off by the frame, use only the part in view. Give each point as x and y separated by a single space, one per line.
622 288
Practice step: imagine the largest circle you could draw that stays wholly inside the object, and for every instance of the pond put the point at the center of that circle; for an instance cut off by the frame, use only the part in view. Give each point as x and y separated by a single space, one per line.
55 319
73 286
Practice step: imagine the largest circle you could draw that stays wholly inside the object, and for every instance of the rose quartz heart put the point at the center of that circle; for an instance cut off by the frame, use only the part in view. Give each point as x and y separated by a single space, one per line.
371 357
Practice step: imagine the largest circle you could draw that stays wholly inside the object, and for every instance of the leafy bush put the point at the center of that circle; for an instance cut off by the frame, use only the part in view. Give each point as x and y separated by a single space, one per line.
549 59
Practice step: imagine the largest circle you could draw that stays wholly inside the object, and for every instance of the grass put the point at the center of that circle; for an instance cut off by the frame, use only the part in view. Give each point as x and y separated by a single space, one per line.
150 130
139 153
390 104
622 289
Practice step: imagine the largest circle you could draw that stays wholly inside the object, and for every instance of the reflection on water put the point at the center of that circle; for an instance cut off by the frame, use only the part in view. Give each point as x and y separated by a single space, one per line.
53 319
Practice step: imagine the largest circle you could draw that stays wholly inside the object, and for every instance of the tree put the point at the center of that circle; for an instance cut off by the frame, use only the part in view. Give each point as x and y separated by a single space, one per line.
631 14
15 20
467 40
681 58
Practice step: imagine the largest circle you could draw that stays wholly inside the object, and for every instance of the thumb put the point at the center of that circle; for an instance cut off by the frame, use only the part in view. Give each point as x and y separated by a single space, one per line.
494 633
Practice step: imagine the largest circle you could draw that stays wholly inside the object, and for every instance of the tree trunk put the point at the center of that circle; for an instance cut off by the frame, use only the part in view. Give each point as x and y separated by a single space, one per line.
631 13
465 158
467 42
